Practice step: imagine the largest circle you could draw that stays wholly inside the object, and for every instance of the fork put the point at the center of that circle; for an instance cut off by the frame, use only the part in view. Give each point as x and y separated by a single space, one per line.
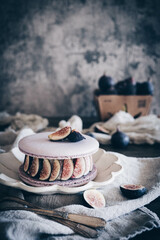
81 224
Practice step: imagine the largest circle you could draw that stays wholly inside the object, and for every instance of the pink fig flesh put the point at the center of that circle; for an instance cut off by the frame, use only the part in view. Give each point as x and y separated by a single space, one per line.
94 198
79 168
60 134
33 170
67 169
55 169
46 170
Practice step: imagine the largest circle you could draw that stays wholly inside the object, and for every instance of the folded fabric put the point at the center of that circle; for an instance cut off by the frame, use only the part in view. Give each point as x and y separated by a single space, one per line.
18 225
145 129
75 122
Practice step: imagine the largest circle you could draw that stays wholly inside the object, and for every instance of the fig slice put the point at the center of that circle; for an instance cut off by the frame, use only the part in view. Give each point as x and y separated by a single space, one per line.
67 169
94 198
33 170
46 170
26 163
87 165
55 169
79 168
75 136
101 129
133 191
60 134
91 163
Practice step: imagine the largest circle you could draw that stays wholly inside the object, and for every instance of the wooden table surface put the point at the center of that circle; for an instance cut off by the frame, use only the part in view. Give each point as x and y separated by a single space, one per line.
145 151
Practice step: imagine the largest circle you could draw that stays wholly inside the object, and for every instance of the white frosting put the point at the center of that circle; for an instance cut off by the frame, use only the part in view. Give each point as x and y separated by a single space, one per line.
39 145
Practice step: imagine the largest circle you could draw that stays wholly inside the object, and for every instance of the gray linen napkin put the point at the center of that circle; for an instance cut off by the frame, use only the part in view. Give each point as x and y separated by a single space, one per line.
17 225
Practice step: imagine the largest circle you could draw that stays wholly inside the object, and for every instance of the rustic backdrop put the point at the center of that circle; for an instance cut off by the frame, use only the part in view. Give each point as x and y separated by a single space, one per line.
52 52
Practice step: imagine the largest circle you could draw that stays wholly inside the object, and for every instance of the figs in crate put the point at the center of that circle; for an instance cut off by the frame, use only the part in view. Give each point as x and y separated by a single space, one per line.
133 191
110 91
55 169
75 136
119 139
94 198
126 87
46 170
79 168
67 169
60 134
144 88
105 83
34 168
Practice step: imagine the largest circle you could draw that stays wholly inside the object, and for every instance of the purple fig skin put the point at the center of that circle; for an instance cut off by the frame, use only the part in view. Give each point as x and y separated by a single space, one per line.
133 191
75 136
105 83
67 169
94 198
119 139
79 168
145 88
126 87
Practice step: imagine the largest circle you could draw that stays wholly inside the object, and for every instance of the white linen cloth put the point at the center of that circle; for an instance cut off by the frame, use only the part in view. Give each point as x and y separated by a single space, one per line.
145 129
125 218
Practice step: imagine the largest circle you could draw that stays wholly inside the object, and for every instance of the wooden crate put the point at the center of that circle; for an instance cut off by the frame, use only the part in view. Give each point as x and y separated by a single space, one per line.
108 105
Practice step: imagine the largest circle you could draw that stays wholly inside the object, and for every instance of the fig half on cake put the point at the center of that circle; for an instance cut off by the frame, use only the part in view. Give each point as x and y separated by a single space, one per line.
64 163
60 134
66 133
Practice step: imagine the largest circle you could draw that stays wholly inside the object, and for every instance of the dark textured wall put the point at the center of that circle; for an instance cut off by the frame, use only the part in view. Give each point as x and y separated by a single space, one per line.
52 52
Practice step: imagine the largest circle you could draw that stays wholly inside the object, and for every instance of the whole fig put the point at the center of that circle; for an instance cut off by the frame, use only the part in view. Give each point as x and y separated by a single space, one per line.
119 139
105 83
145 88
126 87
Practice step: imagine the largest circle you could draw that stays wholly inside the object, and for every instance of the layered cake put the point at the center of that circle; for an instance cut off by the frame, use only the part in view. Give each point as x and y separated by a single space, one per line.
63 158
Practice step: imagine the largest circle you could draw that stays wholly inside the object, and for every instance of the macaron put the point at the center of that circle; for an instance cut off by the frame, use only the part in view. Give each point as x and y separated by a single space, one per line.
57 162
